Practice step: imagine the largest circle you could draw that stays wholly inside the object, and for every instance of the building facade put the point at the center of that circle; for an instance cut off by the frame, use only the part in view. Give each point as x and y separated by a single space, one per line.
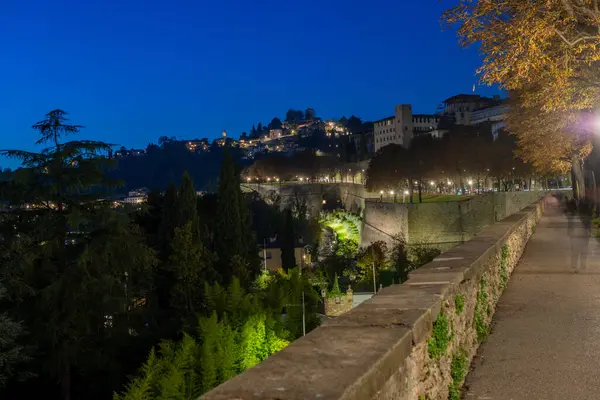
460 107
495 115
402 127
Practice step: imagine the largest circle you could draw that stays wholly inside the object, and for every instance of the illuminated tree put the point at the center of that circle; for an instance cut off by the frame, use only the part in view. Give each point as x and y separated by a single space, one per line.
547 54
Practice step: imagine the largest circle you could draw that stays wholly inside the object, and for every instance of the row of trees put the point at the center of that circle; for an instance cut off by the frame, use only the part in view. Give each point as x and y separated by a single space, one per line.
466 154
546 55
89 288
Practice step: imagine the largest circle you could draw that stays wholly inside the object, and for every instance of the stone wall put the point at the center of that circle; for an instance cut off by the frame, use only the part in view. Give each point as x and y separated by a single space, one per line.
401 343
442 225
383 221
350 196
338 305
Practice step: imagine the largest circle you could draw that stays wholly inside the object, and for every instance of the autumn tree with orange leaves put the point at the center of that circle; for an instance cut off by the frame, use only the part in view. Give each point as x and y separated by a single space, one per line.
546 53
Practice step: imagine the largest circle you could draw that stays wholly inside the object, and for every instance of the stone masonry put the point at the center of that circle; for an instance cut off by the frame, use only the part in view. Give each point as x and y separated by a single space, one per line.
412 341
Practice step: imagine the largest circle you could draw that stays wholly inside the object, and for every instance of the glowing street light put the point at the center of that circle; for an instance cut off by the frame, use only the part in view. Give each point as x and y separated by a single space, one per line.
432 183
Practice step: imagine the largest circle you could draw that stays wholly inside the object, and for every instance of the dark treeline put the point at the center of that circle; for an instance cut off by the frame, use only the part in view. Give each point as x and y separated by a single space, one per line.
170 294
466 156
164 164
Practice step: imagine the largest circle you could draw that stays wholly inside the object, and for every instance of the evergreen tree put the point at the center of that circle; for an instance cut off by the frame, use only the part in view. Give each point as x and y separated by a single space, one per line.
82 264
169 219
253 134
186 203
233 233
287 242
12 354
228 229
191 265
259 128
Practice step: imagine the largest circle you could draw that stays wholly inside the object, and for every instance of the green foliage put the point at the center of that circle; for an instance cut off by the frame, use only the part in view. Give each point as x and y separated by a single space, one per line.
335 288
238 334
81 263
376 253
347 229
420 254
504 266
532 229
459 303
458 371
440 337
481 306
399 260
191 265
12 354
287 238
233 232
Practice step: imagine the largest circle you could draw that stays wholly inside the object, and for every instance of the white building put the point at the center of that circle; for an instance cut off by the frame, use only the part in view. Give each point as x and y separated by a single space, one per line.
136 196
495 115
460 107
403 126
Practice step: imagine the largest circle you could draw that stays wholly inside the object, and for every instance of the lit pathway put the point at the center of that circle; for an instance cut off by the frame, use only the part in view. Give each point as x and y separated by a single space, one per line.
545 339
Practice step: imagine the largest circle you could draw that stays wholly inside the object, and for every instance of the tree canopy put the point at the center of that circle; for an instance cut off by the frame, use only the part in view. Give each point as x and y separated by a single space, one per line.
546 54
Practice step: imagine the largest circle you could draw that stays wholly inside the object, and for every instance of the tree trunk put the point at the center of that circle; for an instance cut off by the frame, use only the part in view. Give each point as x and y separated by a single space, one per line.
65 382
577 179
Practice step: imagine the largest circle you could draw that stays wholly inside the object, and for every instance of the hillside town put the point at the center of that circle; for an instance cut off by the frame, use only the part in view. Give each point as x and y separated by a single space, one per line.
290 135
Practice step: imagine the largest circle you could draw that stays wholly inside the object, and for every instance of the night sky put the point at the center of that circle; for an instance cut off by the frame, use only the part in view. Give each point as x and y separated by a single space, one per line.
134 70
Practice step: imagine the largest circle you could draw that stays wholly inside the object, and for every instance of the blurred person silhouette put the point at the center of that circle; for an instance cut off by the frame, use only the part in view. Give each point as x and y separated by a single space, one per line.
579 224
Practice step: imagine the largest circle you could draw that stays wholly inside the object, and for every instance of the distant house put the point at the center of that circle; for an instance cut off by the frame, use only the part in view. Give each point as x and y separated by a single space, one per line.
271 254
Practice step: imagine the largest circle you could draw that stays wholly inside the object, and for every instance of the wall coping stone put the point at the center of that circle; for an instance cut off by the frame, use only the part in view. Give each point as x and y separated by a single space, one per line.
354 355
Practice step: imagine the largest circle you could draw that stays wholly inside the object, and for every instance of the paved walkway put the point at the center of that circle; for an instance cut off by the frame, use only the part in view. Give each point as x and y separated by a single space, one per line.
545 339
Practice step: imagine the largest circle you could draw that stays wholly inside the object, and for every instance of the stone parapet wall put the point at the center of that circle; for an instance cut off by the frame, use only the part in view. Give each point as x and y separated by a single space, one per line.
338 305
406 342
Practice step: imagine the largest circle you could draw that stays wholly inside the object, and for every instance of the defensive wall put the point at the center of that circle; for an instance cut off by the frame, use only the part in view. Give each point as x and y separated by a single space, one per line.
410 341
442 225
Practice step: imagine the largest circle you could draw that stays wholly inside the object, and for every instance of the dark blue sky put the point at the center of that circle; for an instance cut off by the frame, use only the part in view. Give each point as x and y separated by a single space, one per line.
134 70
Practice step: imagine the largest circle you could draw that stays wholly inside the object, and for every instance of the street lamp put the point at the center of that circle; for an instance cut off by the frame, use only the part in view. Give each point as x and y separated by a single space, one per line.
381 195
404 194
393 194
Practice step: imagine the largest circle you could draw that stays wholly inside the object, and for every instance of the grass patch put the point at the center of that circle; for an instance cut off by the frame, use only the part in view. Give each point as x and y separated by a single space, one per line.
442 198
481 307
459 303
458 371
440 337
532 229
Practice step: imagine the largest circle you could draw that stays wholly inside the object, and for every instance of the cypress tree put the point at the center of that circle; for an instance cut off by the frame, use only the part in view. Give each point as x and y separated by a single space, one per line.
228 236
287 237
186 203
169 219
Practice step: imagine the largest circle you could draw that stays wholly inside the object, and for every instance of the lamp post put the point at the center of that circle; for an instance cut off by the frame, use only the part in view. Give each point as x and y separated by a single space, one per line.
404 194
393 194
381 196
